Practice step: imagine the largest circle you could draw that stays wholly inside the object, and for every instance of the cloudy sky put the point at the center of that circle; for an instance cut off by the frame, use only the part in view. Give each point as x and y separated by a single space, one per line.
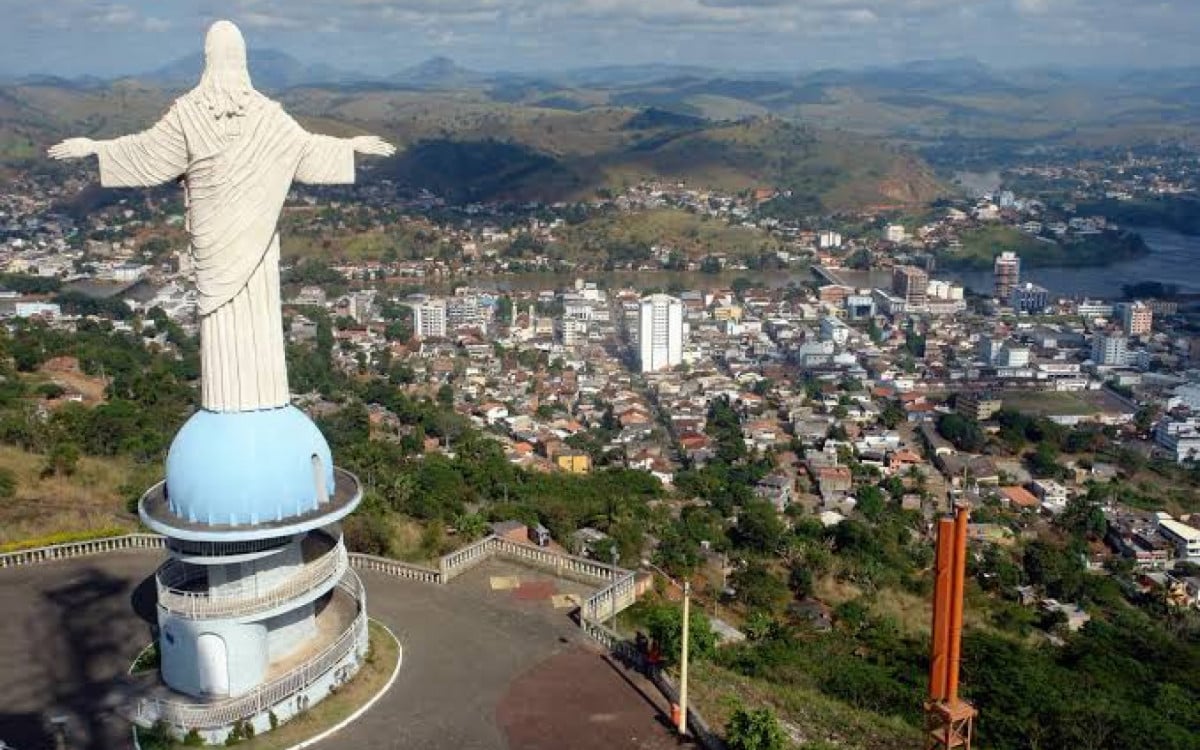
71 37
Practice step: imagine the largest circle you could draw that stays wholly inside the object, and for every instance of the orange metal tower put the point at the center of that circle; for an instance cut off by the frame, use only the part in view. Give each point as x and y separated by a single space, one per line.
948 718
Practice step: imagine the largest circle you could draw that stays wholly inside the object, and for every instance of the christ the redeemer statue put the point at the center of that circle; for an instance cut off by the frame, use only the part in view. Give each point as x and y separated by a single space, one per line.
237 153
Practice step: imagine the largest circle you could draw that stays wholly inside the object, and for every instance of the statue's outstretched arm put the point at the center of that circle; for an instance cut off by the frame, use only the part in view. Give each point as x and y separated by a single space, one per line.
329 160
371 145
152 157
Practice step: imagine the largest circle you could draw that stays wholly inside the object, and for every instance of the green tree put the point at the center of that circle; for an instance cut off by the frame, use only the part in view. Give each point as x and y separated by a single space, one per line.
963 432
758 528
62 460
471 526
756 729
758 588
871 502
665 625
1083 516
1044 462
800 581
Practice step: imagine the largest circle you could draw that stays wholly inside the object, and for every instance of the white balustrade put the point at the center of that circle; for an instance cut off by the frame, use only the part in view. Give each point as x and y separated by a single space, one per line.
209 604
70 550
395 568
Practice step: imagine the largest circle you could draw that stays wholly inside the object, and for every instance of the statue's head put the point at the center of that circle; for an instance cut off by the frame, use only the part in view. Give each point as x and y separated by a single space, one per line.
224 47
225 84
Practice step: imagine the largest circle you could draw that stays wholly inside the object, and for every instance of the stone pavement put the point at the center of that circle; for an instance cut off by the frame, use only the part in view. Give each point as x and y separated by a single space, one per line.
483 667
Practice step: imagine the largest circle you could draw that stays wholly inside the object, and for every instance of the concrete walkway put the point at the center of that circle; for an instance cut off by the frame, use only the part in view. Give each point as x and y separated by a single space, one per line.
484 667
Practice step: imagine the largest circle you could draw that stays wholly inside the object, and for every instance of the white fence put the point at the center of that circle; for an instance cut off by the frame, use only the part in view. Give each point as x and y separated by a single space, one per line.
598 606
72 550
395 568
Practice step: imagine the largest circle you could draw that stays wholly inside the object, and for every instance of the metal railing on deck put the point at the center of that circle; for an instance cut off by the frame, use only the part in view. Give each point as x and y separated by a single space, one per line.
229 710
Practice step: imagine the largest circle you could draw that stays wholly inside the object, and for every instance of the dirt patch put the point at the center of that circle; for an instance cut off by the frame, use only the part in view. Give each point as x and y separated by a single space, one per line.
530 591
582 700
65 373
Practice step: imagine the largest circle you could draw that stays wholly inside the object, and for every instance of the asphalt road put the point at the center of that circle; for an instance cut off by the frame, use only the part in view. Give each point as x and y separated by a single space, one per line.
482 668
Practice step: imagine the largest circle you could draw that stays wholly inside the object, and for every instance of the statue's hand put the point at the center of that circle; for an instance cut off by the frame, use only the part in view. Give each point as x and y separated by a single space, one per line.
72 148
372 145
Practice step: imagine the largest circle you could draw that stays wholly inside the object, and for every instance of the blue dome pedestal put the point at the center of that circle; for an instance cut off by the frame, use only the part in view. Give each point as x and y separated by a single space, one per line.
257 591
246 468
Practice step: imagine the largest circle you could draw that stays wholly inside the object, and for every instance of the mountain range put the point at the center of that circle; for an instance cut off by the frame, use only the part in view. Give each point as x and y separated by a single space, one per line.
835 138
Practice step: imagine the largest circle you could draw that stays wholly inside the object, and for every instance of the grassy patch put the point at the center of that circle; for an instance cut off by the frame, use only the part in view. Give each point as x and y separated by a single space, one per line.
55 509
981 246
380 663
1056 403
807 715
689 233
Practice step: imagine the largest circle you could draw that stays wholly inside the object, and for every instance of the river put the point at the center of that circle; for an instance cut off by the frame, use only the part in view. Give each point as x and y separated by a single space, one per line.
1174 258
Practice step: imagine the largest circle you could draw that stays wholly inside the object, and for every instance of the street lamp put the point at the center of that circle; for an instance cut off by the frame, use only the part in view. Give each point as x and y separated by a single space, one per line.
616 557
686 586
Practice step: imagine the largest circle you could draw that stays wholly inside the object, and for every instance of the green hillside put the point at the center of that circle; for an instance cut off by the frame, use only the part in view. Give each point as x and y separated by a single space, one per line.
467 147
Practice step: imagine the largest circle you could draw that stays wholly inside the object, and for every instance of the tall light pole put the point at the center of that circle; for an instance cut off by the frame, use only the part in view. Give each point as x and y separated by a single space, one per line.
686 587
683 658
616 557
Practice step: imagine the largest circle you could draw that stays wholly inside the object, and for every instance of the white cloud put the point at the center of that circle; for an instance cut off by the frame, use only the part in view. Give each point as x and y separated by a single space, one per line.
388 34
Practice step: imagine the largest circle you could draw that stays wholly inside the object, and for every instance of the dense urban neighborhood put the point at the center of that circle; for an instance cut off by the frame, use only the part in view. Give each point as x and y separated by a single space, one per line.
775 407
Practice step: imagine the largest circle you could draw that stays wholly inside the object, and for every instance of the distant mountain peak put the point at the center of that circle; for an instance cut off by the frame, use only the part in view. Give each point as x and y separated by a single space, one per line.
439 71
269 69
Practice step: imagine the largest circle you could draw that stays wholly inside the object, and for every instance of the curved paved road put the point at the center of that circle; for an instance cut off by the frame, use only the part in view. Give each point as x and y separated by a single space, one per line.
482 668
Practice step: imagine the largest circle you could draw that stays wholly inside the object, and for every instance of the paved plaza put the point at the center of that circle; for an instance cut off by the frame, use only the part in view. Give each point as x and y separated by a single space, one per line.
490 661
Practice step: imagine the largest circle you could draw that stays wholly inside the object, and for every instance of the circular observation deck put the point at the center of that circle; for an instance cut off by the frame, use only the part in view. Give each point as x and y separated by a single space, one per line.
156 513
183 588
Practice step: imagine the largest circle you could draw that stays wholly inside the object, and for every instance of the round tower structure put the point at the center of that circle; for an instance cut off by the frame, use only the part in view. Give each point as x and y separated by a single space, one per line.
258 609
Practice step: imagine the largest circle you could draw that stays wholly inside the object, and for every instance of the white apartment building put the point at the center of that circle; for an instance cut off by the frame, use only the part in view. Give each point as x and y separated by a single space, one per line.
660 332
828 238
429 319
1109 349
833 329
1185 538
1180 437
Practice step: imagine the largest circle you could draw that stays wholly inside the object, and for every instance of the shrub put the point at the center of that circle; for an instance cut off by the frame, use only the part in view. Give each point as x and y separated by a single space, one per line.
8 484
754 730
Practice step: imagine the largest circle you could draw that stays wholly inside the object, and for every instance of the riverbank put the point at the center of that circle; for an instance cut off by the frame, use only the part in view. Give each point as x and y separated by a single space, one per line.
980 248
1177 213
1172 259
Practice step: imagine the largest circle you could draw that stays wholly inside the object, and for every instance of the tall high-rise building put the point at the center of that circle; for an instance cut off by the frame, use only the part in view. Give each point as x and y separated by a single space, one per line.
1007 274
1137 318
911 284
429 319
660 332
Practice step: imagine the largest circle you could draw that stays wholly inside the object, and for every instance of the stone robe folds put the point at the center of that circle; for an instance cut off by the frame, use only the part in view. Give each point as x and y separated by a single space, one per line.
237 172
